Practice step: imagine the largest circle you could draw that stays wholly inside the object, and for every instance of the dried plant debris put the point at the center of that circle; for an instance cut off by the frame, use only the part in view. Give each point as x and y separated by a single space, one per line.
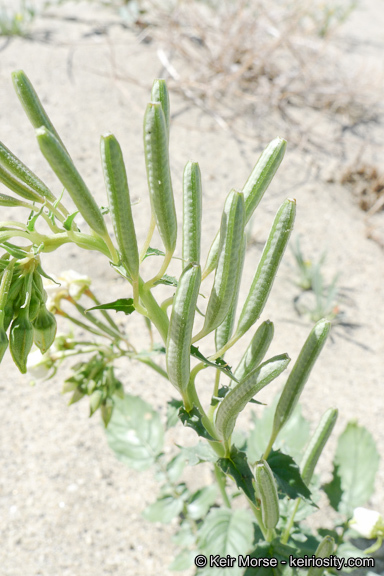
367 184
257 56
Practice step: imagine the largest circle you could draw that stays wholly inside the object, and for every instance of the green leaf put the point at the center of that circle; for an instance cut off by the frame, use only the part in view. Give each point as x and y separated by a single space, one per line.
193 420
135 432
164 509
183 561
120 305
176 466
219 363
69 220
201 452
333 489
153 252
173 407
292 441
226 531
201 501
184 537
167 280
356 463
269 550
287 474
238 468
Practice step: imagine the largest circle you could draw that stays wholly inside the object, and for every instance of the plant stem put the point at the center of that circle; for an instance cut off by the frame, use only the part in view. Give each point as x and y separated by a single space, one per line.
148 239
288 528
259 519
220 479
155 313
162 271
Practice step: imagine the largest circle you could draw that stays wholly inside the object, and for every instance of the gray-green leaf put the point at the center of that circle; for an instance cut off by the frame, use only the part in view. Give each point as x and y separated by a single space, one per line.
135 432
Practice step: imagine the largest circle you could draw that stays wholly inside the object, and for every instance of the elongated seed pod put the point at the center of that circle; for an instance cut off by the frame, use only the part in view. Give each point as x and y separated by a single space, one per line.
300 374
180 327
44 329
12 202
266 491
160 94
256 350
62 165
17 186
5 285
21 171
262 174
316 444
268 266
31 103
116 183
192 194
158 174
21 339
236 400
324 550
232 233
224 331
253 190
6 279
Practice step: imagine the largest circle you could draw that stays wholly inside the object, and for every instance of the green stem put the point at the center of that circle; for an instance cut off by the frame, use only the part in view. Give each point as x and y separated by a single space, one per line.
148 239
115 334
161 272
92 296
288 528
212 408
259 520
155 313
220 479
82 324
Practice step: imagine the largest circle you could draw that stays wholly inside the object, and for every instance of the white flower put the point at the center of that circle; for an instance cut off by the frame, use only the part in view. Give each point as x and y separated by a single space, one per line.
69 283
39 365
368 523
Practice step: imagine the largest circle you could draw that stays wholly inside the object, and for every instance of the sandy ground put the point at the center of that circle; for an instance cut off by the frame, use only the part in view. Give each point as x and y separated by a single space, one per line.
68 507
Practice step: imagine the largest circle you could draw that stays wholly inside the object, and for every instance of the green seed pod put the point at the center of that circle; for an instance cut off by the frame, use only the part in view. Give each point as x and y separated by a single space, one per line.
44 329
224 331
266 491
34 304
21 171
38 287
31 103
268 266
180 327
116 183
76 396
159 176
61 163
256 350
300 374
3 343
253 190
14 300
324 550
231 233
17 186
12 202
6 279
192 194
21 339
95 401
106 411
316 444
160 94
236 400
262 174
